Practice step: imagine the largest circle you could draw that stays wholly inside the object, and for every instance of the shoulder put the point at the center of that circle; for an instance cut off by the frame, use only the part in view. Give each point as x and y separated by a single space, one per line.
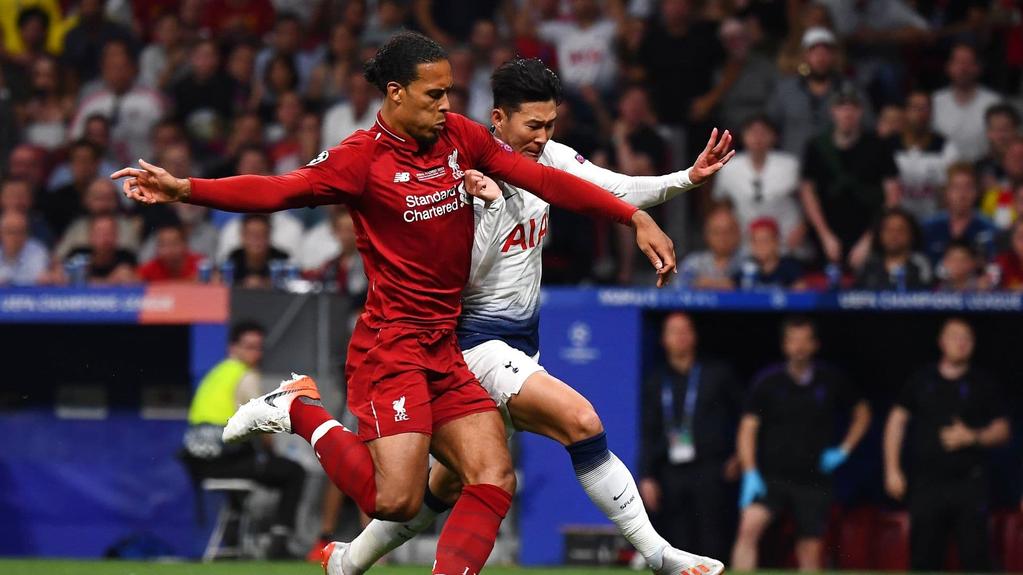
557 155
768 376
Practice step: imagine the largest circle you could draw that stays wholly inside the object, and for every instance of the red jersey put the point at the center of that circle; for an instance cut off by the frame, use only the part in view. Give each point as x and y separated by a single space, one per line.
155 271
413 219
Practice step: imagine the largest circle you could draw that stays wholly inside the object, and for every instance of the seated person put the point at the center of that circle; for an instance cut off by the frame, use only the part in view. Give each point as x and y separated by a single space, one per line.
252 260
960 220
344 273
714 267
959 269
23 260
230 383
893 263
1010 262
101 199
766 267
173 260
106 263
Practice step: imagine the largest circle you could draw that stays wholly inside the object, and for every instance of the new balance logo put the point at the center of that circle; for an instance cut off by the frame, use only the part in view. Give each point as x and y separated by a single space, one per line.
399 409
511 367
401 177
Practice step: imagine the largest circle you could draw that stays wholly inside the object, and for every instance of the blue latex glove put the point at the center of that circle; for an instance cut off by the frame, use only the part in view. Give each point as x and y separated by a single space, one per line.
831 458
753 486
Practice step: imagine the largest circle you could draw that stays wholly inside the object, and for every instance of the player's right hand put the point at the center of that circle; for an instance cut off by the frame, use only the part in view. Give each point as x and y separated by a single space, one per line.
481 186
895 484
152 184
657 246
832 247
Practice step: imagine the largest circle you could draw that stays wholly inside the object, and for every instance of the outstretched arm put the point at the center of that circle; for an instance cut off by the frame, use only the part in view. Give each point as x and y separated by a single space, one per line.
646 191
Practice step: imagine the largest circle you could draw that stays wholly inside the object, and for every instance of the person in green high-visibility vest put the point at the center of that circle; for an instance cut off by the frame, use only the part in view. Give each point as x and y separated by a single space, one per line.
230 383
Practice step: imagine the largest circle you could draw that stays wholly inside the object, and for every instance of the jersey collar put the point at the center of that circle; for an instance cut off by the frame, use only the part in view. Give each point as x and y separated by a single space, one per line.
389 133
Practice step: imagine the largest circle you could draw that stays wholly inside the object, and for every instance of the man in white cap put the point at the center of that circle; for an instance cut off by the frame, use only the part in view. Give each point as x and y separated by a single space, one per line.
799 104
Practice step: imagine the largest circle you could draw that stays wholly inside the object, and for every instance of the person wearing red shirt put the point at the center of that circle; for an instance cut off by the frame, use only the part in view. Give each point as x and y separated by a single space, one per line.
173 261
404 181
1011 260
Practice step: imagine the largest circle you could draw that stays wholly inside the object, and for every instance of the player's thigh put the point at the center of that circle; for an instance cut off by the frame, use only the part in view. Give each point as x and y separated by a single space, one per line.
548 406
754 520
474 447
444 483
401 462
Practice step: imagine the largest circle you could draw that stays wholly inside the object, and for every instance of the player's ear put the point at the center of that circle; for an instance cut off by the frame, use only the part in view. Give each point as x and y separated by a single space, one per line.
395 91
497 117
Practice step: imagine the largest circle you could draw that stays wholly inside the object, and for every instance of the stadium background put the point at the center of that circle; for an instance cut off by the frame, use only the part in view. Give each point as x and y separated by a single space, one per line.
97 376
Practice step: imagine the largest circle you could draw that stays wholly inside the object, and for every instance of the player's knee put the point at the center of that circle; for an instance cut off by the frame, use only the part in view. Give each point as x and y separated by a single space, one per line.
397 506
750 531
582 423
501 475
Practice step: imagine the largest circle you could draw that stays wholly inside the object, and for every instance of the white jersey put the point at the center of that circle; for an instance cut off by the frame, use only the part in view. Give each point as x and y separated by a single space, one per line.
501 300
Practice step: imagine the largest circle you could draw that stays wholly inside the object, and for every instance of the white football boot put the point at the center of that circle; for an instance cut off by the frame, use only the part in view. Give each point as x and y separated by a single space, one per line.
678 562
269 413
334 559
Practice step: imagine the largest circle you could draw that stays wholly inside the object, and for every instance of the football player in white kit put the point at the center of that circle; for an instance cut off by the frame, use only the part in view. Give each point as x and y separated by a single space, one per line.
498 331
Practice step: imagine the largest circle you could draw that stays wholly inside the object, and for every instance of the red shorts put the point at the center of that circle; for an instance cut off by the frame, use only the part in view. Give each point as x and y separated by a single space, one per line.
403 380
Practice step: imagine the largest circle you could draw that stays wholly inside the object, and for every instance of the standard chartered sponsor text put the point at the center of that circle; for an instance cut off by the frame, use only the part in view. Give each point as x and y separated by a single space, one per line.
432 205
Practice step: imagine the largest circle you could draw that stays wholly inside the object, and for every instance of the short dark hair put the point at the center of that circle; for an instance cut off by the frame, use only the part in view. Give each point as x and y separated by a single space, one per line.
397 60
247 218
759 118
33 13
243 327
1002 109
956 319
523 80
961 244
81 143
798 321
174 225
903 214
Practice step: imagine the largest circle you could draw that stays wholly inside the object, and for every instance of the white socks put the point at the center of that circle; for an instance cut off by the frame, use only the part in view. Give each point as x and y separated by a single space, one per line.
381 537
611 488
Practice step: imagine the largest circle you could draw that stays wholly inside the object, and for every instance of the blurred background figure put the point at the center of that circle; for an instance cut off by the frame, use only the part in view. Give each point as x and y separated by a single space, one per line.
173 261
895 264
958 413
105 262
715 267
23 260
252 261
766 266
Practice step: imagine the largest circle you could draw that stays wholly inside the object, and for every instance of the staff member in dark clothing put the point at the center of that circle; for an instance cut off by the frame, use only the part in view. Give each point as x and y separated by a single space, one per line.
786 450
958 413
690 407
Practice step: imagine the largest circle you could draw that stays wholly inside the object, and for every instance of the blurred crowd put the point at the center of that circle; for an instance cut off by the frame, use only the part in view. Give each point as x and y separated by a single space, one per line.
879 140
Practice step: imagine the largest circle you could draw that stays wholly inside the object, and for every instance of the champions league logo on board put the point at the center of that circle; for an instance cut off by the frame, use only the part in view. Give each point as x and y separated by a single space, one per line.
579 350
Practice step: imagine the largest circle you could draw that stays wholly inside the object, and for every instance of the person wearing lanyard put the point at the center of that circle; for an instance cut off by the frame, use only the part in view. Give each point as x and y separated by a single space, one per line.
690 407
786 450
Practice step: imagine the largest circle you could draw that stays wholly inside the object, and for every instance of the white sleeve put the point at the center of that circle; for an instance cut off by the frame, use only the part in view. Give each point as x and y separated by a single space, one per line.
640 191
552 31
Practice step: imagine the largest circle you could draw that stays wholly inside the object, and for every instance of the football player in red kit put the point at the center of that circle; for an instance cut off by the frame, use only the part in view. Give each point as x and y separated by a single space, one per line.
407 382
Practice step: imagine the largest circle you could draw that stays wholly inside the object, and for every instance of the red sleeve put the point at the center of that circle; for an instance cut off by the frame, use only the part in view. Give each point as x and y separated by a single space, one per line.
559 188
335 176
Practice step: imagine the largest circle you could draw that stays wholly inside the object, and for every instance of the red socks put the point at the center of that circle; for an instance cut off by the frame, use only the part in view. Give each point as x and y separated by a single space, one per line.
344 456
469 534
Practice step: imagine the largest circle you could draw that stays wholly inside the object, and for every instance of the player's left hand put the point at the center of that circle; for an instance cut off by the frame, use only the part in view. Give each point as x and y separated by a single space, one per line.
832 458
713 158
656 245
481 186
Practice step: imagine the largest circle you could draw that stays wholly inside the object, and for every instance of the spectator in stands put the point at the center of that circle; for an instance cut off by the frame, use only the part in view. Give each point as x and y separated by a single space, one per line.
684 466
748 77
997 201
131 109
1001 126
960 220
959 271
64 204
1010 262
286 42
714 267
252 260
677 83
358 112
766 267
173 261
287 229
959 109
230 383
279 78
800 104
195 224
97 133
162 62
849 177
241 69
49 109
786 450
33 26
107 263
282 133
238 19
319 243
344 273
27 162
958 415
16 195
23 259
923 158
894 263
330 80
763 182
101 199
891 121
84 43
203 97
12 21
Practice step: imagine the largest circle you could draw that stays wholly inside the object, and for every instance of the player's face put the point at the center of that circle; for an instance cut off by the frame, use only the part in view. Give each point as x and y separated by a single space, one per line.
799 343
423 103
527 129
249 349
956 342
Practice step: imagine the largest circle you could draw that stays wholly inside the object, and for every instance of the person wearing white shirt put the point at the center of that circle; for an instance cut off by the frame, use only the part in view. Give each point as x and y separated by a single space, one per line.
762 182
358 112
585 44
959 109
23 260
923 158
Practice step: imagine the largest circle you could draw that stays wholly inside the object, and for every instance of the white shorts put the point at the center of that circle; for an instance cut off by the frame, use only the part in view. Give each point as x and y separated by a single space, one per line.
501 370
